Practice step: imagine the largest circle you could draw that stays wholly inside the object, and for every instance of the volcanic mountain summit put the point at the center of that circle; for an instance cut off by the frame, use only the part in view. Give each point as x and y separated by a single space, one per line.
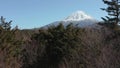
78 18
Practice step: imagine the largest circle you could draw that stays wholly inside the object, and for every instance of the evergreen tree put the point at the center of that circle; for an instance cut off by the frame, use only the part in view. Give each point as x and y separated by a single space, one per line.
5 25
9 45
113 11
60 44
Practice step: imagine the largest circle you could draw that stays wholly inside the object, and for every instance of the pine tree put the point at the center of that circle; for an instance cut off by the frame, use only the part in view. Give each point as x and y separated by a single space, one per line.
5 25
60 45
9 45
113 11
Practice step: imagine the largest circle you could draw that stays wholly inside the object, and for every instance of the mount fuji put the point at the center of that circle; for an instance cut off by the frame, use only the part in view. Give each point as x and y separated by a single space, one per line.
79 18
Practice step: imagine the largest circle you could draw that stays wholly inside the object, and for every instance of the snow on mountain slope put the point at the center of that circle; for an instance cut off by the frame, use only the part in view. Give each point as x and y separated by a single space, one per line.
78 18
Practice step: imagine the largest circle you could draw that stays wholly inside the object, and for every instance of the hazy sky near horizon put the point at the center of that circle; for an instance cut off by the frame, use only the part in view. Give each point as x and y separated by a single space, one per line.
37 13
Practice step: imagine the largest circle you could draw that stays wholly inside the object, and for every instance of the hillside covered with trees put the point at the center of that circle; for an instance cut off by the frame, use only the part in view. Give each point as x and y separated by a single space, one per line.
59 47
63 47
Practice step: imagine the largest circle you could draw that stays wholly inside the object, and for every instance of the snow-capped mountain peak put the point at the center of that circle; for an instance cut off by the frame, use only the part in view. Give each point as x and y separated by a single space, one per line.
77 16
79 19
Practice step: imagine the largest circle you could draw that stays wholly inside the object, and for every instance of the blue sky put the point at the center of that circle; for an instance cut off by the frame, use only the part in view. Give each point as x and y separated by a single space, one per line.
37 13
